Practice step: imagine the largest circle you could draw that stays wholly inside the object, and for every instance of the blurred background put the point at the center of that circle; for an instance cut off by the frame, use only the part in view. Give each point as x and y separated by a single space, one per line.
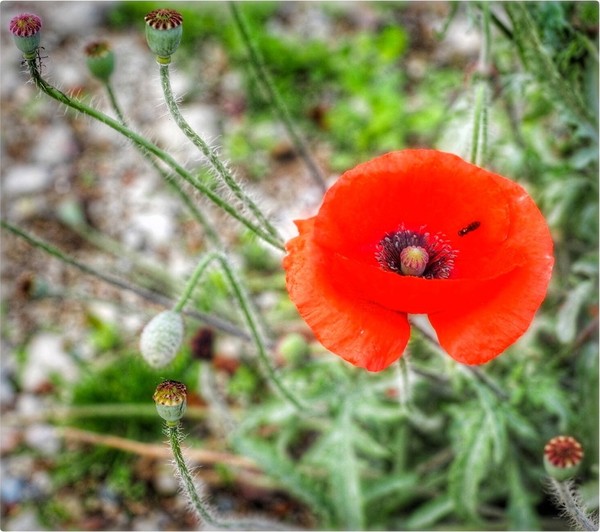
81 445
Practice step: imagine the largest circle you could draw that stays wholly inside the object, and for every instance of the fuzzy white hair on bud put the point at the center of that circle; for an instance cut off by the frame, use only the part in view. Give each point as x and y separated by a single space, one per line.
161 338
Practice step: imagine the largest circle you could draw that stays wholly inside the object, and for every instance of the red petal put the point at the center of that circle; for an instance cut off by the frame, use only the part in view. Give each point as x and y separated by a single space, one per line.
364 334
418 188
477 334
482 332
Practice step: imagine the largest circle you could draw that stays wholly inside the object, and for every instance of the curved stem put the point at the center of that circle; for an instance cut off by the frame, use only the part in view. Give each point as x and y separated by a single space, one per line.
284 115
217 323
113 102
193 280
256 333
203 509
211 234
249 316
212 157
137 139
480 113
186 478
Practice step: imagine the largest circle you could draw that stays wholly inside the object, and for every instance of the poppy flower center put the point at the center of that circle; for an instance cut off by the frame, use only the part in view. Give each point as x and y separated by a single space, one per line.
416 253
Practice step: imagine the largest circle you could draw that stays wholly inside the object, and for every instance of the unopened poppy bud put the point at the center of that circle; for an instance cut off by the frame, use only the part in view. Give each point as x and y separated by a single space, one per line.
100 60
163 33
171 400
413 260
26 32
562 457
161 338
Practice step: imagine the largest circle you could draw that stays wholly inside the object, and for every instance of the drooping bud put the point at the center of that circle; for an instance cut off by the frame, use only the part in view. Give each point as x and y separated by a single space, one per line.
100 60
562 457
164 28
413 260
171 400
26 33
161 338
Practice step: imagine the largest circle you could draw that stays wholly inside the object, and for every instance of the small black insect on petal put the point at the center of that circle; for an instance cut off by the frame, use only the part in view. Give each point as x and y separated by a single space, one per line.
471 227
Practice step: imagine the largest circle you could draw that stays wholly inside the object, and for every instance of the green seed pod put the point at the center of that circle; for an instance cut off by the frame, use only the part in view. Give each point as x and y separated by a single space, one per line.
161 338
171 400
100 60
26 33
163 33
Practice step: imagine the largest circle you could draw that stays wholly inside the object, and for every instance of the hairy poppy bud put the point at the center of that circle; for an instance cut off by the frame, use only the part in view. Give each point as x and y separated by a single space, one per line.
171 400
562 457
100 60
26 32
163 33
161 338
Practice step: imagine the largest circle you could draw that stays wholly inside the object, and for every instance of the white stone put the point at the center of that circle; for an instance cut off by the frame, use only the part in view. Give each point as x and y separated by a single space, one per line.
42 438
55 145
46 356
25 179
26 519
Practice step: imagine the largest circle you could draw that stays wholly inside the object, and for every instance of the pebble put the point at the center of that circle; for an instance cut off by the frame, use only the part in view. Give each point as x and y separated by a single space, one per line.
26 519
46 356
26 179
55 145
165 482
152 521
43 438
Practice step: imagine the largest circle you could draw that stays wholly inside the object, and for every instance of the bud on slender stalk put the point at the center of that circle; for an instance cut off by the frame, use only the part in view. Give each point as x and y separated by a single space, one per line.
100 60
161 338
163 33
171 400
26 33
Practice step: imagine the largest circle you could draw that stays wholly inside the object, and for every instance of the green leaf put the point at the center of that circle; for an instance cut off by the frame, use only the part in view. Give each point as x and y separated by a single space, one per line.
521 512
495 422
394 484
429 513
470 467
286 473
367 445
566 322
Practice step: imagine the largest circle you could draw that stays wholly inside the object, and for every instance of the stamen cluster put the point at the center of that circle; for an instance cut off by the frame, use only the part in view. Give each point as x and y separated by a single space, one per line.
440 254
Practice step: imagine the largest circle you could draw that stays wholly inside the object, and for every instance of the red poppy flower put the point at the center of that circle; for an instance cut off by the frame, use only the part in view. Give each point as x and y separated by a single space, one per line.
420 232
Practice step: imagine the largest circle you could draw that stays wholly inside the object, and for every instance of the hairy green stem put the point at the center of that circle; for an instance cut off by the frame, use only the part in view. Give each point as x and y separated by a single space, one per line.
173 432
263 76
211 234
213 321
212 157
479 136
137 139
249 314
529 44
113 102
203 510
193 280
564 492
404 391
